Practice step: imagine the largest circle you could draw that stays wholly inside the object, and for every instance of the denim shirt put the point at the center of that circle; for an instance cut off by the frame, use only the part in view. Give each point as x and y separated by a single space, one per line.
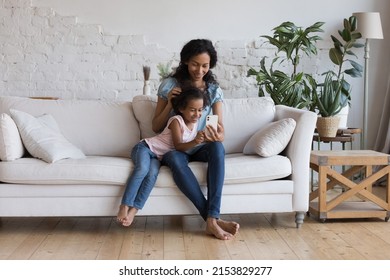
215 95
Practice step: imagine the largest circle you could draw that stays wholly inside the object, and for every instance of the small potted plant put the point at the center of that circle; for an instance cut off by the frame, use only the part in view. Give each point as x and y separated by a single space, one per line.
291 89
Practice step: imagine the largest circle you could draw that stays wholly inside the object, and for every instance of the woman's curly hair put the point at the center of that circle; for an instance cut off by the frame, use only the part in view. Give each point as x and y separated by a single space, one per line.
193 48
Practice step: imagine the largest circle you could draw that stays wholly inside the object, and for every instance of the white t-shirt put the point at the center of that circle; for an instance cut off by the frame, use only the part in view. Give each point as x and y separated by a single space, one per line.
163 143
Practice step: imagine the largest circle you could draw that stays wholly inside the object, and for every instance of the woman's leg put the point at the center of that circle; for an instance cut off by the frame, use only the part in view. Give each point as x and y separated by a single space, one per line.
214 154
185 179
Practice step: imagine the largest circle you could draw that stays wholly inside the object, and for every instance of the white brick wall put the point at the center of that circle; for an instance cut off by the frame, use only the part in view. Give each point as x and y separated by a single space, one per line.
46 54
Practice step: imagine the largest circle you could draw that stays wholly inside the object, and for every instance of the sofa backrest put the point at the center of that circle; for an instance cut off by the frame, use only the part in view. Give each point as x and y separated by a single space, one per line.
105 128
242 118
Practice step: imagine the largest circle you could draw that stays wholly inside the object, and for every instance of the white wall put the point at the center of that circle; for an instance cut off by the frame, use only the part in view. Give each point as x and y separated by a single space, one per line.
96 48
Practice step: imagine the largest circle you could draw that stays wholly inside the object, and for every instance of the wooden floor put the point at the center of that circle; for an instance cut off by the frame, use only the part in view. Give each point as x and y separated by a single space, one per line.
262 236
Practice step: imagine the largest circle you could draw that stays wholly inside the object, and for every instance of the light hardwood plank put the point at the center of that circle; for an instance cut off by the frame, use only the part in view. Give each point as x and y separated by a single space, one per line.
174 248
261 236
133 240
154 239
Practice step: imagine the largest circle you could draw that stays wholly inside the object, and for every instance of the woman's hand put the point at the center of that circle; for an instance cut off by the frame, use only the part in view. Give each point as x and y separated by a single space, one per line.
213 135
174 92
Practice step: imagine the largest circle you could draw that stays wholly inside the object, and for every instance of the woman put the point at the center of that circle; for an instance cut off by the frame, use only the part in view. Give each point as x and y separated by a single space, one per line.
196 59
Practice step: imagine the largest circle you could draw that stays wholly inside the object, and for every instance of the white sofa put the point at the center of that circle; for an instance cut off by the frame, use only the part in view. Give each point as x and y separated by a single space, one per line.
107 130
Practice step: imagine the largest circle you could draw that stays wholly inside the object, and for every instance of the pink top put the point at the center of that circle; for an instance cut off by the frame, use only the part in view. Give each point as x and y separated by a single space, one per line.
163 143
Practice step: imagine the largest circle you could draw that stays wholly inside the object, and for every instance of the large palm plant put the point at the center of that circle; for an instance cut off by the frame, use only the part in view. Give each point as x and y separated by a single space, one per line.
292 89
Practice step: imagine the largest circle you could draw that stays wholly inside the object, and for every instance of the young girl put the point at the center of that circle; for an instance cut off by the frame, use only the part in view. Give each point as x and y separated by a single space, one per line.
197 57
181 133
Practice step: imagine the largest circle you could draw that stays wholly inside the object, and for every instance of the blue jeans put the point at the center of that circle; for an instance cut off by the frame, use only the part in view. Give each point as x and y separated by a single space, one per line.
214 154
141 181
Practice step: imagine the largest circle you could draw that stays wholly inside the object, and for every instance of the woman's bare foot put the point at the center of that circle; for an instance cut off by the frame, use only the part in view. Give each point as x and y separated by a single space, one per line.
231 227
122 213
213 228
128 220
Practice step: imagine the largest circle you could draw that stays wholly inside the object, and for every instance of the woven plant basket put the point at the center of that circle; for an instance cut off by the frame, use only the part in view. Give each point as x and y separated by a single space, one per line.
327 126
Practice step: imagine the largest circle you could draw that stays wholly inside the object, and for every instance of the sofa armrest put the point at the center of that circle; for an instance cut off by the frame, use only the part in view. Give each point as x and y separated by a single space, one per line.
298 151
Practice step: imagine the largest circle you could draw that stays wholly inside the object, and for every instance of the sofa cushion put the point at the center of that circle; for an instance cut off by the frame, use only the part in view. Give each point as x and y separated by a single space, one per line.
90 170
101 128
239 169
242 118
115 171
11 146
144 107
272 139
43 139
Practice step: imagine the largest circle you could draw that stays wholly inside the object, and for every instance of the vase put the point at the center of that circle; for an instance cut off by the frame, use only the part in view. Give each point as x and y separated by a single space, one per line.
146 89
328 126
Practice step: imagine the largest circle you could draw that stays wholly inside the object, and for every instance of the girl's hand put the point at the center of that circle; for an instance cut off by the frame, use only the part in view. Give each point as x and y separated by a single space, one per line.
199 137
214 135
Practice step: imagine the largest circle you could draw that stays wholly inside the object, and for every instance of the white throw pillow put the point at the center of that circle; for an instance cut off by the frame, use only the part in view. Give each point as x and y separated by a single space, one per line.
43 139
11 146
272 139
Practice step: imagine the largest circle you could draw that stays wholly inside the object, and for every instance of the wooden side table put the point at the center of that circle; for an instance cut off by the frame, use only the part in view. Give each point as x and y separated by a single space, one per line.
343 136
369 204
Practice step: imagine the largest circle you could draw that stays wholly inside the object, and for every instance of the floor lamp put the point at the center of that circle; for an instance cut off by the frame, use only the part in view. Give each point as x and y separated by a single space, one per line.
369 25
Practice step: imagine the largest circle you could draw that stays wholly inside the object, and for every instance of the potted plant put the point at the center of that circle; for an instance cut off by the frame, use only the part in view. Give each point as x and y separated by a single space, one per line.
291 89
334 93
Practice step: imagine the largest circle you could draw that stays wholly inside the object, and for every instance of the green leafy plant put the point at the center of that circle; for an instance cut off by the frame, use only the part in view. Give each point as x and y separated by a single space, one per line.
292 89
329 101
164 70
335 85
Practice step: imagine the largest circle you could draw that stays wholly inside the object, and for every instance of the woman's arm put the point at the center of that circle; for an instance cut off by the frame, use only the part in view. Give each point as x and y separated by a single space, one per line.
163 111
219 134
177 137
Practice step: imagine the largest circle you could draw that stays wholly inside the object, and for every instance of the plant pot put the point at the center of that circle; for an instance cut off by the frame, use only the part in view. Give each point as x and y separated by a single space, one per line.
343 114
328 126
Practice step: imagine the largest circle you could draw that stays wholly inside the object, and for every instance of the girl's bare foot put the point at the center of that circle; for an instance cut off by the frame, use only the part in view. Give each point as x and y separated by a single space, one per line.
122 213
213 228
128 220
231 227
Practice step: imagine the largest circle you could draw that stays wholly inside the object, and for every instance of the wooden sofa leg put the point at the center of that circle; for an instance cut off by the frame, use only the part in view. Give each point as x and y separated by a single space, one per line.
299 216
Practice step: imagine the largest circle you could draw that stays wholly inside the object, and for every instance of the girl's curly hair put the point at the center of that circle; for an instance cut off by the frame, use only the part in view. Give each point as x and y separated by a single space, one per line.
189 93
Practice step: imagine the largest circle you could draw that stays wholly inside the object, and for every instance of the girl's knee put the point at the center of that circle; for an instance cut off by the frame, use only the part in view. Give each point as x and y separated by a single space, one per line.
175 159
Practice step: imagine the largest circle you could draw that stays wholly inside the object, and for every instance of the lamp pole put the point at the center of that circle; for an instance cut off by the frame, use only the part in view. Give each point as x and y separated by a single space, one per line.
365 97
369 25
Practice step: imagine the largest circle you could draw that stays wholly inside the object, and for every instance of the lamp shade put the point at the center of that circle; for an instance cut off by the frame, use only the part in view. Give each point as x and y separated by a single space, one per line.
369 25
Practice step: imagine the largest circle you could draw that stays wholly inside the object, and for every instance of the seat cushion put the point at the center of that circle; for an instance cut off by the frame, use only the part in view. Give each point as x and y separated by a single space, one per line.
239 168
90 170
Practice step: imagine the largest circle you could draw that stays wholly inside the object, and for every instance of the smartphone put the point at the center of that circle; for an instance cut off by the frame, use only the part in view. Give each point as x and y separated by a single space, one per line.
211 120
